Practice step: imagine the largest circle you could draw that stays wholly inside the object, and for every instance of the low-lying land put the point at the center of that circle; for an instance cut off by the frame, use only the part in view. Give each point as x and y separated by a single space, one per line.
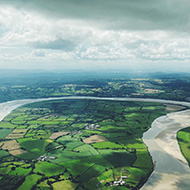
77 144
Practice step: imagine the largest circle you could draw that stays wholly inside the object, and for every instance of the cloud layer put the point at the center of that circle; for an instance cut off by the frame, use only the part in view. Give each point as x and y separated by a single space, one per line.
112 14
109 32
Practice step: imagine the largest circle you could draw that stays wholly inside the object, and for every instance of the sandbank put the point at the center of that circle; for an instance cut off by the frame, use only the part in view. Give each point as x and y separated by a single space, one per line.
171 169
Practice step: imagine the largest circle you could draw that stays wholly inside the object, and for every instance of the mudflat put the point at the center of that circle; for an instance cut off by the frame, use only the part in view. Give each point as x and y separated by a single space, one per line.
171 169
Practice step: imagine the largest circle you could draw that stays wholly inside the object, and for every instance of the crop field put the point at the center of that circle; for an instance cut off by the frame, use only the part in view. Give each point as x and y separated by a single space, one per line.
10 145
58 134
95 139
76 144
17 152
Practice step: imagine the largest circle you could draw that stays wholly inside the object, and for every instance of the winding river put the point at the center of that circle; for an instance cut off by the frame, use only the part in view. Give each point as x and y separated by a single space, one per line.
171 169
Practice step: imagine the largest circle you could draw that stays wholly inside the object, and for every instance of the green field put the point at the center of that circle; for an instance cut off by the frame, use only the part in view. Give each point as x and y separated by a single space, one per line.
36 146
66 185
102 141
29 182
48 169
86 148
183 137
4 133
69 142
20 171
109 145
7 125
3 153
118 158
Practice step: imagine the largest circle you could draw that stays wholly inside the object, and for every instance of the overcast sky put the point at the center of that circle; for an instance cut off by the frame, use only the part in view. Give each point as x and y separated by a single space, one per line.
95 34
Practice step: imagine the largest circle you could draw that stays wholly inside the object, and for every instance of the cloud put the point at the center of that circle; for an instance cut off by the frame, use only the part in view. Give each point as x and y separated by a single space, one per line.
57 44
89 32
38 53
116 15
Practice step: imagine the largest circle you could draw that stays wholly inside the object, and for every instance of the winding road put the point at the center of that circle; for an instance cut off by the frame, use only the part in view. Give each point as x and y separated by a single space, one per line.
171 170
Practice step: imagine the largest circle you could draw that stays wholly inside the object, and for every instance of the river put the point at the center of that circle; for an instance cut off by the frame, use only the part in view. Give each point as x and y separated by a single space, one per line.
171 169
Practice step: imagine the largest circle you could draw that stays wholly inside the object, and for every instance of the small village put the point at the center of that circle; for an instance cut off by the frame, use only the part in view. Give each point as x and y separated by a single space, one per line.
119 182
91 126
44 158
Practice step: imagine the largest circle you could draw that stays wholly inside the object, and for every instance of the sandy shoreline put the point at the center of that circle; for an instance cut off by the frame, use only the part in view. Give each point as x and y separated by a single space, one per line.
172 171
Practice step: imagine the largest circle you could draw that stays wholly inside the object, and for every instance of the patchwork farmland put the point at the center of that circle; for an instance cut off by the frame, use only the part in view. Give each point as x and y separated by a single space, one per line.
77 144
